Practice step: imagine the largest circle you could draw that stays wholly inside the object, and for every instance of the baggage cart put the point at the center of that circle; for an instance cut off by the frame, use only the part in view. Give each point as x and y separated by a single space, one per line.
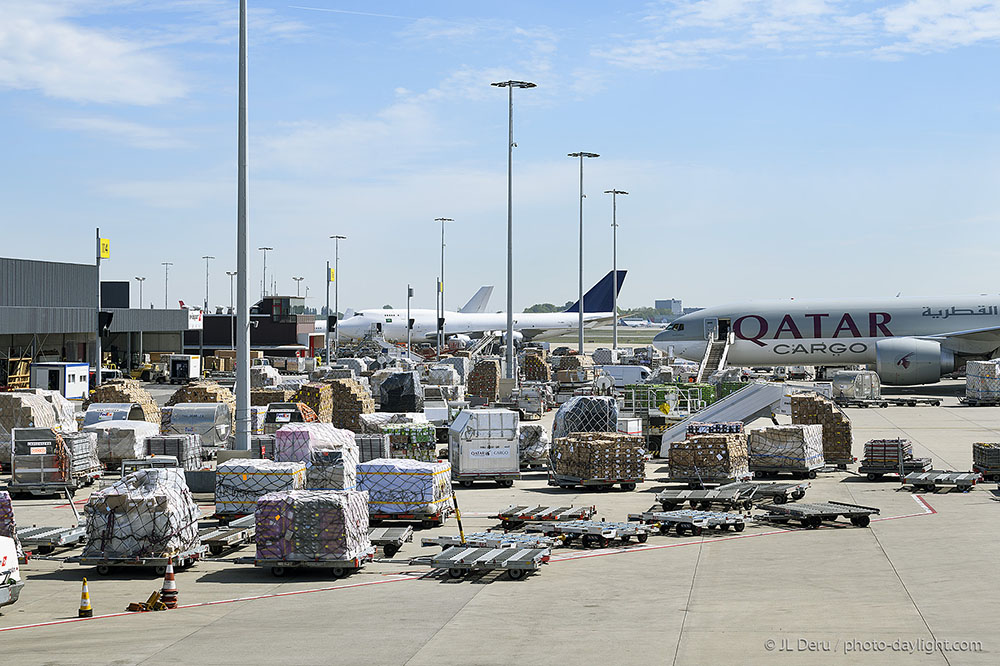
779 493
875 470
689 520
225 537
158 563
591 533
462 560
391 539
425 519
45 540
761 472
936 479
514 516
336 568
491 540
988 473
43 463
813 515
980 402
733 496
564 481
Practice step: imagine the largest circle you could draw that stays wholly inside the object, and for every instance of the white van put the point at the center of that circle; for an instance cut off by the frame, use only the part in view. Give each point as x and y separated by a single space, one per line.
627 374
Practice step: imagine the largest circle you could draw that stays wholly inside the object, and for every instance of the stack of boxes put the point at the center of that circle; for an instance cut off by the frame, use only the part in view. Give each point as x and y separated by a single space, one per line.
484 380
241 481
349 401
121 440
186 448
262 397
126 391
416 441
812 409
720 457
600 455
406 486
535 367
312 525
318 397
330 454
986 460
372 446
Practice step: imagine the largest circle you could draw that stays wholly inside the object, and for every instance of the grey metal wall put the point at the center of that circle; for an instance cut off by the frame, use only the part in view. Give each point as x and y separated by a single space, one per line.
29 283
43 321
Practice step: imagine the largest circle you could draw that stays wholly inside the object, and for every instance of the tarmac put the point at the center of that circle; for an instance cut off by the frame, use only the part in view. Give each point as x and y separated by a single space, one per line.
917 587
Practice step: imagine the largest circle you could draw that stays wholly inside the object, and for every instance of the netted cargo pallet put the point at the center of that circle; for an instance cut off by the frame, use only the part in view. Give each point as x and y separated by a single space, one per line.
8 528
986 460
533 446
586 414
410 490
312 526
709 459
796 449
241 481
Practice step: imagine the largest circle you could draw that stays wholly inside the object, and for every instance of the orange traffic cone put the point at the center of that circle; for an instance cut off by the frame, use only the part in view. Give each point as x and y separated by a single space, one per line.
168 595
85 609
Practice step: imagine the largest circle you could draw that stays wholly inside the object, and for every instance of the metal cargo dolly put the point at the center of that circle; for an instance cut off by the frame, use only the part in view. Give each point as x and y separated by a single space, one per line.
689 520
732 496
987 473
912 401
491 540
975 402
874 471
699 482
592 533
502 479
391 539
861 402
515 516
461 560
425 519
105 564
45 540
775 472
813 515
936 479
565 481
236 533
778 492
337 568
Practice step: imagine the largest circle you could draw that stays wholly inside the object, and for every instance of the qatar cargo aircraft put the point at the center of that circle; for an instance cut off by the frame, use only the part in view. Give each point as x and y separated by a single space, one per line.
909 341
391 324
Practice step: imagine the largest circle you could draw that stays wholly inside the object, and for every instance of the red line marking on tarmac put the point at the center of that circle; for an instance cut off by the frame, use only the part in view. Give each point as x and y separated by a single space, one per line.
927 511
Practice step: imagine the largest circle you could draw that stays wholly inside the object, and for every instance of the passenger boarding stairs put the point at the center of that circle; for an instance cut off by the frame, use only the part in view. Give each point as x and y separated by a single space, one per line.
716 356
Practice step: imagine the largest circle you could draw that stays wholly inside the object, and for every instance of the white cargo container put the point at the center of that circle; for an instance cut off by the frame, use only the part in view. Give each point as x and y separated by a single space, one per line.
856 385
182 368
483 446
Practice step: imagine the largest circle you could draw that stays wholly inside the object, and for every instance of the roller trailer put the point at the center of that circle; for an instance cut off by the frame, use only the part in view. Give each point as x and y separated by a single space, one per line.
732 496
702 482
779 492
591 533
336 568
689 520
45 540
937 479
814 515
424 519
874 470
491 540
390 539
236 533
887 402
566 481
459 561
158 563
514 516
775 472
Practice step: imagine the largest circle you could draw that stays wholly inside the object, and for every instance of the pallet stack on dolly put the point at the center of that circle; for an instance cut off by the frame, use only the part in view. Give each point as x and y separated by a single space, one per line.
891 456
45 462
732 497
403 490
786 449
986 460
591 533
462 560
937 479
813 515
779 493
597 460
689 520
712 454
515 516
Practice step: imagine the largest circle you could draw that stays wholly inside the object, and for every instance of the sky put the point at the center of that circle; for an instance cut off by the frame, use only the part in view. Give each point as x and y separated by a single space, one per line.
770 148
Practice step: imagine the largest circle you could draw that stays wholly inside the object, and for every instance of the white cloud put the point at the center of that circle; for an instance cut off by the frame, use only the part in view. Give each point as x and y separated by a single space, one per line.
41 49
133 134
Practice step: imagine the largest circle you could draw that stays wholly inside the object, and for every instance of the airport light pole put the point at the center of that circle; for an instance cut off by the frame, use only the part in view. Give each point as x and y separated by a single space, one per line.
97 328
409 328
336 296
581 155
263 280
614 260
242 386
166 280
232 310
510 85
207 259
140 280
442 220
298 283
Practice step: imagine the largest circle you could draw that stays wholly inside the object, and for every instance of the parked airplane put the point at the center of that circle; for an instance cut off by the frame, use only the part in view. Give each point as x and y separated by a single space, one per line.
478 303
391 324
908 340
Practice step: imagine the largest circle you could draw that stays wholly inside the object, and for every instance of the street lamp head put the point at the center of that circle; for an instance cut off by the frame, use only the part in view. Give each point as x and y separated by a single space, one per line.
208 257
513 84
582 154
265 248
140 279
166 263
339 237
615 192
443 219
230 273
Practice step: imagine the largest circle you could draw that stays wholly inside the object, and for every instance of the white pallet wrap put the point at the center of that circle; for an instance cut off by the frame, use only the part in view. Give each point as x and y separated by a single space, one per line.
122 440
462 365
797 448
239 482
312 525
443 375
330 454
149 513
399 485
982 380
534 444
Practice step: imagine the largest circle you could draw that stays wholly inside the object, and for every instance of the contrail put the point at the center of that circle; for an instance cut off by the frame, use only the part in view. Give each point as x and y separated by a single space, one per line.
345 11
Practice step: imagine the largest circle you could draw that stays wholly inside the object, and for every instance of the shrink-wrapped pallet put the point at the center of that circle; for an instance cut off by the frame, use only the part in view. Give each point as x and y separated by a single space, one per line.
312 525
484 380
121 440
533 444
793 448
262 397
186 448
239 482
8 528
264 375
416 441
358 365
349 401
813 409
372 446
375 423
731 427
330 454
982 380
126 390
149 513
585 413
257 415
401 392
599 455
461 365
710 458
319 398
399 485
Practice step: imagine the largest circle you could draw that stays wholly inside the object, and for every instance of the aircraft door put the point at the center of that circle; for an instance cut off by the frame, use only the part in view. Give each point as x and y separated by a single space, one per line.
711 328
724 325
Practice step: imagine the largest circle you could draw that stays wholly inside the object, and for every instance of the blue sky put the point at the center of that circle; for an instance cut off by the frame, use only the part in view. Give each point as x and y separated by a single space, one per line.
771 148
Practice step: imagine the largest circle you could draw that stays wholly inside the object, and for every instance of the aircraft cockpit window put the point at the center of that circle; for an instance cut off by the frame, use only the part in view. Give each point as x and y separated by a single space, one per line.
675 327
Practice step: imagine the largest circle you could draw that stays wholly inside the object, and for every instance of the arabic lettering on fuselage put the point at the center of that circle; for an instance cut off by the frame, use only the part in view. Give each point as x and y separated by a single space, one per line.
944 313
755 328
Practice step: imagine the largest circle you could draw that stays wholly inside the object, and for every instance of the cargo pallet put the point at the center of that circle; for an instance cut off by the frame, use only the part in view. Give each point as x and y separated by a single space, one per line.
732 496
236 533
813 515
779 493
104 565
515 516
564 481
874 471
988 473
591 533
461 560
45 540
491 540
503 479
425 519
936 479
687 520
774 472
337 568
391 539
885 402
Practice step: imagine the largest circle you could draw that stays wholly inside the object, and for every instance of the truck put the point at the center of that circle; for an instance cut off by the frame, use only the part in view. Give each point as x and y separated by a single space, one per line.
10 572
182 368
483 446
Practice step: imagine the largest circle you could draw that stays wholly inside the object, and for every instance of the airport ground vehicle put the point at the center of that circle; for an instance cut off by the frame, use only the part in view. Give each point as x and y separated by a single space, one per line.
591 533
623 375
10 573
813 515
515 516
936 479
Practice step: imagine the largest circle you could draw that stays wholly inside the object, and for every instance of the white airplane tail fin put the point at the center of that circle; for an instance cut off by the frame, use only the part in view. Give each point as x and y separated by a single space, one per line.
479 301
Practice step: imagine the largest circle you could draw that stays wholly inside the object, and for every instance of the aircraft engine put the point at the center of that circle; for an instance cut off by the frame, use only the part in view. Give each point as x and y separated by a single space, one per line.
909 361
518 338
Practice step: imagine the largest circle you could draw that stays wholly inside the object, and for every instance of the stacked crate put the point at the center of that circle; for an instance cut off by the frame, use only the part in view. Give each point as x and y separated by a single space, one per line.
186 448
575 362
262 397
720 457
536 369
600 455
318 397
787 448
312 525
986 459
886 452
125 391
812 409
484 380
349 401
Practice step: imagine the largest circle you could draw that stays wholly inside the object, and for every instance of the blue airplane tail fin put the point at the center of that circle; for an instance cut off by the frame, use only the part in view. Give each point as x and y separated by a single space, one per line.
601 298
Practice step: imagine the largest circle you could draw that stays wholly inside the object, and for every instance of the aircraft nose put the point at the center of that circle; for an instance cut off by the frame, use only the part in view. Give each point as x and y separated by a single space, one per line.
662 336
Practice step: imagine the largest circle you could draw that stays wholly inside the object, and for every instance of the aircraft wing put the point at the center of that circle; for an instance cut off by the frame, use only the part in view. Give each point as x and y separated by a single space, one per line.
971 341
